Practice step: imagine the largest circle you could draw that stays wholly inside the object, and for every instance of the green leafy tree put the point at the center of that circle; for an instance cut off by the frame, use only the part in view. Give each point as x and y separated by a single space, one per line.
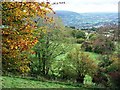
81 63
50 45
78 34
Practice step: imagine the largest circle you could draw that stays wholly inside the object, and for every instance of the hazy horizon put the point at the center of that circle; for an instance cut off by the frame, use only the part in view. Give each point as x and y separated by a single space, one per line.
85 12
88 6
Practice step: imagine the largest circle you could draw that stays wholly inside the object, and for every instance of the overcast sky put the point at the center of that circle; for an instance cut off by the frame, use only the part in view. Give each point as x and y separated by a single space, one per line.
82 6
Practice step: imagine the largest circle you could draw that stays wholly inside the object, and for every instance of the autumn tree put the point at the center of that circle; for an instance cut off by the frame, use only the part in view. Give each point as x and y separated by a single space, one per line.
18 33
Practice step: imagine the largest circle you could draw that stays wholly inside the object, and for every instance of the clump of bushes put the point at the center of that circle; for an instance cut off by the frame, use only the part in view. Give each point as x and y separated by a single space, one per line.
100 45
88 81
78 34
87 46
102 78
113 70
79 41
108 74
16 65
103 46
63 70
76 65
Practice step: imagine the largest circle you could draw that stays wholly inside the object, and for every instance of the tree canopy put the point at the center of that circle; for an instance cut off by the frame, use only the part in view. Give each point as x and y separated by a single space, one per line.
18 34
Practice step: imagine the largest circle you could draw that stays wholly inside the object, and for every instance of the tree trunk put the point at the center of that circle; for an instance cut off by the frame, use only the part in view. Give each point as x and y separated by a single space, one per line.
39 67
47 70
44 64
80 79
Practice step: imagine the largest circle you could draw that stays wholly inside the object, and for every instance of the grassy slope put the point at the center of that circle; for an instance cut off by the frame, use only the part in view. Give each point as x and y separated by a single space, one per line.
12 82
93 56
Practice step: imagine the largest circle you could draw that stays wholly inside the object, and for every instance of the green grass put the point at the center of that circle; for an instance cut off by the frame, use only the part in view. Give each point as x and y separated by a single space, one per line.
93 56
13 82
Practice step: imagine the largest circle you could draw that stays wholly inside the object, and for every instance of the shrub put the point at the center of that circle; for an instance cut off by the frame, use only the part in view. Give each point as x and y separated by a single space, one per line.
79 41
114 70
55 70
115 78
68 72
115 61
103 46
109 72
105 61
78 34
87 46
16 65
93 36
62 70
101 79
73 33
82 64
99 45
106 47
88 81
74 67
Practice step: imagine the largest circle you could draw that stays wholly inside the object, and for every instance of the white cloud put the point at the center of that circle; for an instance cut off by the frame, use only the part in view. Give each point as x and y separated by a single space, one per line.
88 5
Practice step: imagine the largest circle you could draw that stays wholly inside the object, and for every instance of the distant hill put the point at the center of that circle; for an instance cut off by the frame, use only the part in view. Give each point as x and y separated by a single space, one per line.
87 20
64 13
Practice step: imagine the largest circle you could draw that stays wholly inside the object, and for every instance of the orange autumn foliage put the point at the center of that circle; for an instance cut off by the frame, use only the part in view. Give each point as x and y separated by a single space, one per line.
18 33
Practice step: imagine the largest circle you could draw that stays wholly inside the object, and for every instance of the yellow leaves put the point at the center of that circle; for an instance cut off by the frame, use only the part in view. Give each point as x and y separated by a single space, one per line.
8 40
44 31
18 32
28 28
35 41
9 18
20 13
11 46
18 36
4 50
16 47
42 4
24 69
17 12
